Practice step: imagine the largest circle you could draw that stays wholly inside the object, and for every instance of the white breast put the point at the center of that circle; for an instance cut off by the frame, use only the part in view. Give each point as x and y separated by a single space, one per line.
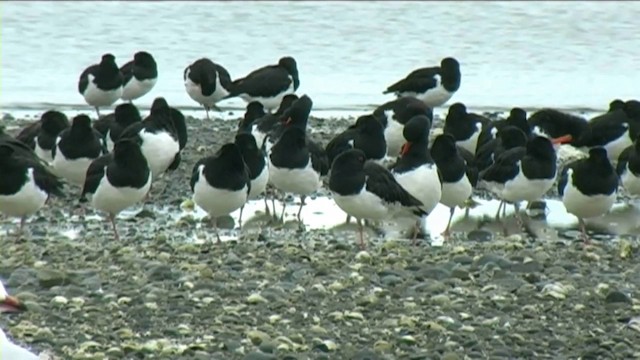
29 199
303 181
159 149
113 200
217 202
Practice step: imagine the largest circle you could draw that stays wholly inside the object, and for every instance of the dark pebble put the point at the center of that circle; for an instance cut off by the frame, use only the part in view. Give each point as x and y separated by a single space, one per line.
258 355
616 296
479 235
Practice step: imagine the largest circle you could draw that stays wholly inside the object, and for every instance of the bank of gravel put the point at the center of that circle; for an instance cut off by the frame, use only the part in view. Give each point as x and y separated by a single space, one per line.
278 293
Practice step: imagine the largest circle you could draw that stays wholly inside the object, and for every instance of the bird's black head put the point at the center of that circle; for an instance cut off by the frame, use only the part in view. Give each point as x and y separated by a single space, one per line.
598 156
449 64
246 143
443 147
289 63
144 59
541 147
127 149
632 109
127 114
158 104
298 113
369 124
53 122
518 117
417 129
512 136
81 122
457 110
108 59
6 151
286 102
349 160
616 104
636 144
230 154
255 110
414 108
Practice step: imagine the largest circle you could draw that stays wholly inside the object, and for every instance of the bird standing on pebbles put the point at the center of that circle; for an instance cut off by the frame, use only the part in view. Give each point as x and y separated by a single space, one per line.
457 177
394 115
467 128
432 85
588 187
8 349
628 168
415 170
117 180
221 183
256 162
76 147
368 191
263 126
268 85
139 76
101 84
367 134
41 135
26 182
207 83
124 115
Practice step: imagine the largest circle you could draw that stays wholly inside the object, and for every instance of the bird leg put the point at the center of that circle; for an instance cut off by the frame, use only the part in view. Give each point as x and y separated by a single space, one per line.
206 109
214 223
284 206
98 112
516 207
240 217
348 220
361 234
112 219
498 212
583 230
267 211
416 230
302 198
23 221
447 232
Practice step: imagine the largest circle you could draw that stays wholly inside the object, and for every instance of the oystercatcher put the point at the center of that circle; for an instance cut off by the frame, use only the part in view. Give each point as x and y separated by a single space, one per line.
139 76
466 127
41 135
366 134
432 85
220 183
117 180
628 168
269 84
256 162
457 177
394 115
206 83
101 84
588 187
367 190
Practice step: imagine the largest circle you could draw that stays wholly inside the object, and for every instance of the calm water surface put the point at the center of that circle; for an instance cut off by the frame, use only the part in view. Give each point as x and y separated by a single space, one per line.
530 54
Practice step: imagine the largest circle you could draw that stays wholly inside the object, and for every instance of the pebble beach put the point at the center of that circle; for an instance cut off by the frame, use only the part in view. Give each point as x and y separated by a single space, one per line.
279 291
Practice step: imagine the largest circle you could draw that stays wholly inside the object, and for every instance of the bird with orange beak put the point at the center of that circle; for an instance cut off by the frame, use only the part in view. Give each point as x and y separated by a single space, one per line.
9 303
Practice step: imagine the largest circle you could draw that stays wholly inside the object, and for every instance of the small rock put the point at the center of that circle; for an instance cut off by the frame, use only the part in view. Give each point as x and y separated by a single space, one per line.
256 299
616 296
259 355
479 235
49 278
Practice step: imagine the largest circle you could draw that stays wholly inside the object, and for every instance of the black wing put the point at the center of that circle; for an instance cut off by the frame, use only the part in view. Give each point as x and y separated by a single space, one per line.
623 159
419 80
382 183
340 144
180 126
483 157
103 124
131 131
505 166
175 163
83 82
223 74
319 160
195 175
127 72
28 134
95 173
265 81
46 180
564 176
19 148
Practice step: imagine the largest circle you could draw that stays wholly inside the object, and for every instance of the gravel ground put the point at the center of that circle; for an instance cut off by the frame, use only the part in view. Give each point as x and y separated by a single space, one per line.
279 293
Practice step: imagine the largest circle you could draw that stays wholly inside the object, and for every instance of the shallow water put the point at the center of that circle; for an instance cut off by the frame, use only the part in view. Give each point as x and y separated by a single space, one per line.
322 213
529 54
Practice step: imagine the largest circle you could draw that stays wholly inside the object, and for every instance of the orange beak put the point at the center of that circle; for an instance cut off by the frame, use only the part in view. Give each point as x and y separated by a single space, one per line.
288 121
565 139
405 148
11 304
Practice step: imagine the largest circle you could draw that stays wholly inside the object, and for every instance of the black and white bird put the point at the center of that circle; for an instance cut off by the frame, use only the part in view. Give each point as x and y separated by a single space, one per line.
263 126
159 140
432 85
588 187
554 123
118 180
367 134
207 83
254 111
415 170
613 130
522 173
220 183
41 135
26 182
268 85
124 115
296 165
9 349
508 137
139 76
297 115
394 115
616 104
256 162
101 84
177 118
628 168
458 179
518 118
76 147
467 128
368 191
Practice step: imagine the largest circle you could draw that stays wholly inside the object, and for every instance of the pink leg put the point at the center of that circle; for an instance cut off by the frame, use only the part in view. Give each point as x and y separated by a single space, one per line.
112 219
